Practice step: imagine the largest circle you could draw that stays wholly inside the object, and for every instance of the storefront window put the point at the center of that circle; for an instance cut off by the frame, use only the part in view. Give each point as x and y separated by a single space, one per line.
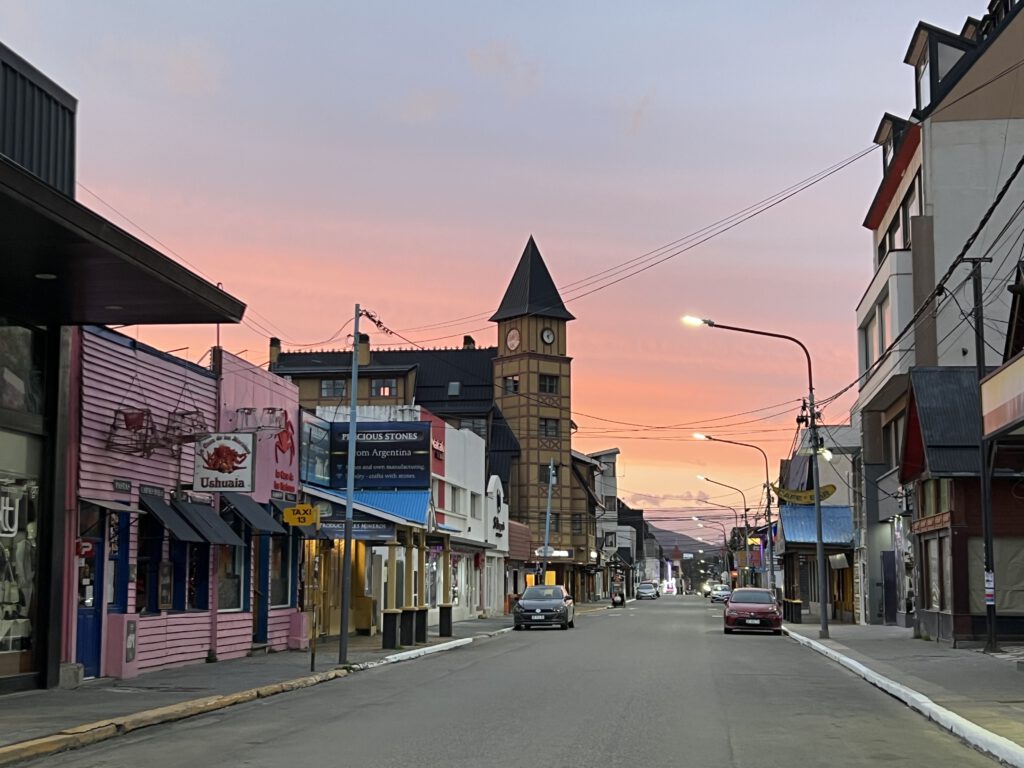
151 536
230 577
934 575
21 369
280 570
946 557
195 568
19 559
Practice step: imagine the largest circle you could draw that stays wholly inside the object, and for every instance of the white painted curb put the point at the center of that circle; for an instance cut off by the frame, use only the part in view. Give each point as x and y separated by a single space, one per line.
991 743
417 652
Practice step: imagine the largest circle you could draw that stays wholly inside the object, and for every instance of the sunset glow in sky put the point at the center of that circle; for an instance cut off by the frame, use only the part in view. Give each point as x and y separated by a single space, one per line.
312 155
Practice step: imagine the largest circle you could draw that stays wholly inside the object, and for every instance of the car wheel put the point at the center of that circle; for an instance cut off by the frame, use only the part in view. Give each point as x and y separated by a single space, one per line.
572 622
776 631
565 625
727 630
517 627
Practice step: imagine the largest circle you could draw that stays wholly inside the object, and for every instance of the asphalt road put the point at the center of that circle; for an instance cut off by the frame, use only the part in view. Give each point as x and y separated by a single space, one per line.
654 684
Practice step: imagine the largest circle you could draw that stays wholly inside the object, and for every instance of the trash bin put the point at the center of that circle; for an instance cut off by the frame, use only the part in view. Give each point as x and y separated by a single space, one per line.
792 611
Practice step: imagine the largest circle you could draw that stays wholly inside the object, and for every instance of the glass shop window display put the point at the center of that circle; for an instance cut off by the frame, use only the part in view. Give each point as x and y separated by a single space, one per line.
19 500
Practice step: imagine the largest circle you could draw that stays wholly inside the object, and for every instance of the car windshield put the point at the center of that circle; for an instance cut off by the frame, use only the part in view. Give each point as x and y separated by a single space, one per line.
647 587
542 593
750 596
720 588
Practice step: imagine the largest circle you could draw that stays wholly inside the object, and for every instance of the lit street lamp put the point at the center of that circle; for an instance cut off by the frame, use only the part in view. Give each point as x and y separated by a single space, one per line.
767 498
746 526
812 422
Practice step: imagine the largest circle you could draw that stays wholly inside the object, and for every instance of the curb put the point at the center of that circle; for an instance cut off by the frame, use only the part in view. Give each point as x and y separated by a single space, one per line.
92 733
999 747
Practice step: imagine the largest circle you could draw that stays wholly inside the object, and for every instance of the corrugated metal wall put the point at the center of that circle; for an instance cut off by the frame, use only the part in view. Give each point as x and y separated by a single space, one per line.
37 123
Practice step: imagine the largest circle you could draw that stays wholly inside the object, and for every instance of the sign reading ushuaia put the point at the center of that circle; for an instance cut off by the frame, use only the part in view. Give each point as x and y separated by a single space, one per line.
388 455
224 463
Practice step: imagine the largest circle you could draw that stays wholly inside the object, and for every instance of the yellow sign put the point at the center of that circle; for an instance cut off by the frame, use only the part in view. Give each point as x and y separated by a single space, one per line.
802 497
302 514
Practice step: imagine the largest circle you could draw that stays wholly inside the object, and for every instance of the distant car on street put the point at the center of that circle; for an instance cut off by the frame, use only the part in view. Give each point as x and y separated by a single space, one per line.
668 588
653 583
646 591
541 606
752 609
720 593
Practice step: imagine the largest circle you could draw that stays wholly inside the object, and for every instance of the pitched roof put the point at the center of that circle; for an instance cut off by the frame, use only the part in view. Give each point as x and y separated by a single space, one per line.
944 407
435 370
799 525
532 291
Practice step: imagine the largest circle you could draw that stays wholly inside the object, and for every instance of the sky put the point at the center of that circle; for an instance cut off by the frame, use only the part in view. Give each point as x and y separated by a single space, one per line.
314 155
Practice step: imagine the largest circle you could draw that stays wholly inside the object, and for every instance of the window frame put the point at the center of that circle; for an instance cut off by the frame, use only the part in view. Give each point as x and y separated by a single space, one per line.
510 384
549 427
384 387
549 384
331 392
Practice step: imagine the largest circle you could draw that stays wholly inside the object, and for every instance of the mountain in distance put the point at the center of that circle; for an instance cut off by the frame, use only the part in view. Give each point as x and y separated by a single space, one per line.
669 540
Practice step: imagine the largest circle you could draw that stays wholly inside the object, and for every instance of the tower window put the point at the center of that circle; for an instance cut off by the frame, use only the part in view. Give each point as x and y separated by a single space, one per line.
549 428
548 384
511 384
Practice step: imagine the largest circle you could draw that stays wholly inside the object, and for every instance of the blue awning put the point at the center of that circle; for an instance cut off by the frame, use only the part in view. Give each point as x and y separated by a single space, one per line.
402 507
799 525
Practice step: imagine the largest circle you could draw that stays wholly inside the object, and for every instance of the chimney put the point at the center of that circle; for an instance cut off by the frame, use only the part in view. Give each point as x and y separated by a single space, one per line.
468 343
275 350
364 350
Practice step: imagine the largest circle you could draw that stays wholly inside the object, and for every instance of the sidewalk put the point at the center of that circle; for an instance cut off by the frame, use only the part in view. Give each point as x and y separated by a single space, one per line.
977 696
38 723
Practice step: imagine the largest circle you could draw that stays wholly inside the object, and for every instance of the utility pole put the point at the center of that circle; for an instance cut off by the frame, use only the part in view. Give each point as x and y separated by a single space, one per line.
346 568
819 549
984 472
547 521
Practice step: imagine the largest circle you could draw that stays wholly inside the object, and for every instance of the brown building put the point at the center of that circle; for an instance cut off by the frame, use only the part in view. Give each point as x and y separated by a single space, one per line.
515 396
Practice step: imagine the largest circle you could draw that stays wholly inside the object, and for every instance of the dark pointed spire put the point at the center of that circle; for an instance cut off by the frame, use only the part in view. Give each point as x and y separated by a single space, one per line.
532 291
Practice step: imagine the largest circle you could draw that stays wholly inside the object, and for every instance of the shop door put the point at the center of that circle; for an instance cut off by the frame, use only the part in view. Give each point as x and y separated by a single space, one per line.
889 605
90 604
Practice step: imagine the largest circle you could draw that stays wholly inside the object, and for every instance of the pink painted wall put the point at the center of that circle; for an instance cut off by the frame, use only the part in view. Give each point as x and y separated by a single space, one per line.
118 373
243 385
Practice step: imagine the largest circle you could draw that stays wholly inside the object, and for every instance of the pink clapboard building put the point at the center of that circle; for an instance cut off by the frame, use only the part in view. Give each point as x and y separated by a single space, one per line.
161 573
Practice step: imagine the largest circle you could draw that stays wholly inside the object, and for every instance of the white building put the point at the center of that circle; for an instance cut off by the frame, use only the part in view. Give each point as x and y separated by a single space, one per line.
942 168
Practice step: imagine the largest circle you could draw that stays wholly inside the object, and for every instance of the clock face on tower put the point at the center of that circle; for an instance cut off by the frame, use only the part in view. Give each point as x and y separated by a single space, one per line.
512 340
547 336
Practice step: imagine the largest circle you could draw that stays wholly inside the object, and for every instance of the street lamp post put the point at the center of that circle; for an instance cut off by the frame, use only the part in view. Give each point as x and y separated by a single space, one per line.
725 538
767 499
746 527
812 426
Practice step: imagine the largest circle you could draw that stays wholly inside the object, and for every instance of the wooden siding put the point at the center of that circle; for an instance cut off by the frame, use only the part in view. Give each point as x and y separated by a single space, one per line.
234 635
172 640
117 376
277 627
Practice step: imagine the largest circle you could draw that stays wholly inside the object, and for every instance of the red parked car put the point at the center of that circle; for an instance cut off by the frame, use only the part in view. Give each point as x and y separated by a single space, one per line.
753 609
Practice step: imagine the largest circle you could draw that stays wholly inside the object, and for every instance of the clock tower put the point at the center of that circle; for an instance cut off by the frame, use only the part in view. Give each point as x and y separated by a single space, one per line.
532 388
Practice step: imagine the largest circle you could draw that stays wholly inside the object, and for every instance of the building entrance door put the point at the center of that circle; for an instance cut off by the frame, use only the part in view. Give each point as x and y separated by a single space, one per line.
90 604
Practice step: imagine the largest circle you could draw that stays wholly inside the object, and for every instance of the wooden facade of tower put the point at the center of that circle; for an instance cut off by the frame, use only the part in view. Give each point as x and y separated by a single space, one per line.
532 386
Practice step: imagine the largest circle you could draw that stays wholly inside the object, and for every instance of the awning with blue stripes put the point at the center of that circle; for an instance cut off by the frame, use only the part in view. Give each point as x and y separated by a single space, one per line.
402 507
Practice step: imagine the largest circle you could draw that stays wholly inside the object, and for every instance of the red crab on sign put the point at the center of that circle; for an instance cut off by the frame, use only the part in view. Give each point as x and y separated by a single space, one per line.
285 441
224 459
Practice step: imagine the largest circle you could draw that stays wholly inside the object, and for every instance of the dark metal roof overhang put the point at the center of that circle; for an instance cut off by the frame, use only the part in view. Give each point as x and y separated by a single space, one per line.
169 518
255 516
93 271
207 522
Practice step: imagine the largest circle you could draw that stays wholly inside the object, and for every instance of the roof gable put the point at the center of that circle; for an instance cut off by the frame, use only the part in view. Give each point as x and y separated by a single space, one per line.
531 291
947 411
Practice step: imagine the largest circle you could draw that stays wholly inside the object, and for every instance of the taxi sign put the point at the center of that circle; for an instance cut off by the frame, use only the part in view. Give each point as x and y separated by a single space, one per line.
301 514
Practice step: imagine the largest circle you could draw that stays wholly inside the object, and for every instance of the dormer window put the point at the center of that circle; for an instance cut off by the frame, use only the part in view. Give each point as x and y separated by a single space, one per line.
924 81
